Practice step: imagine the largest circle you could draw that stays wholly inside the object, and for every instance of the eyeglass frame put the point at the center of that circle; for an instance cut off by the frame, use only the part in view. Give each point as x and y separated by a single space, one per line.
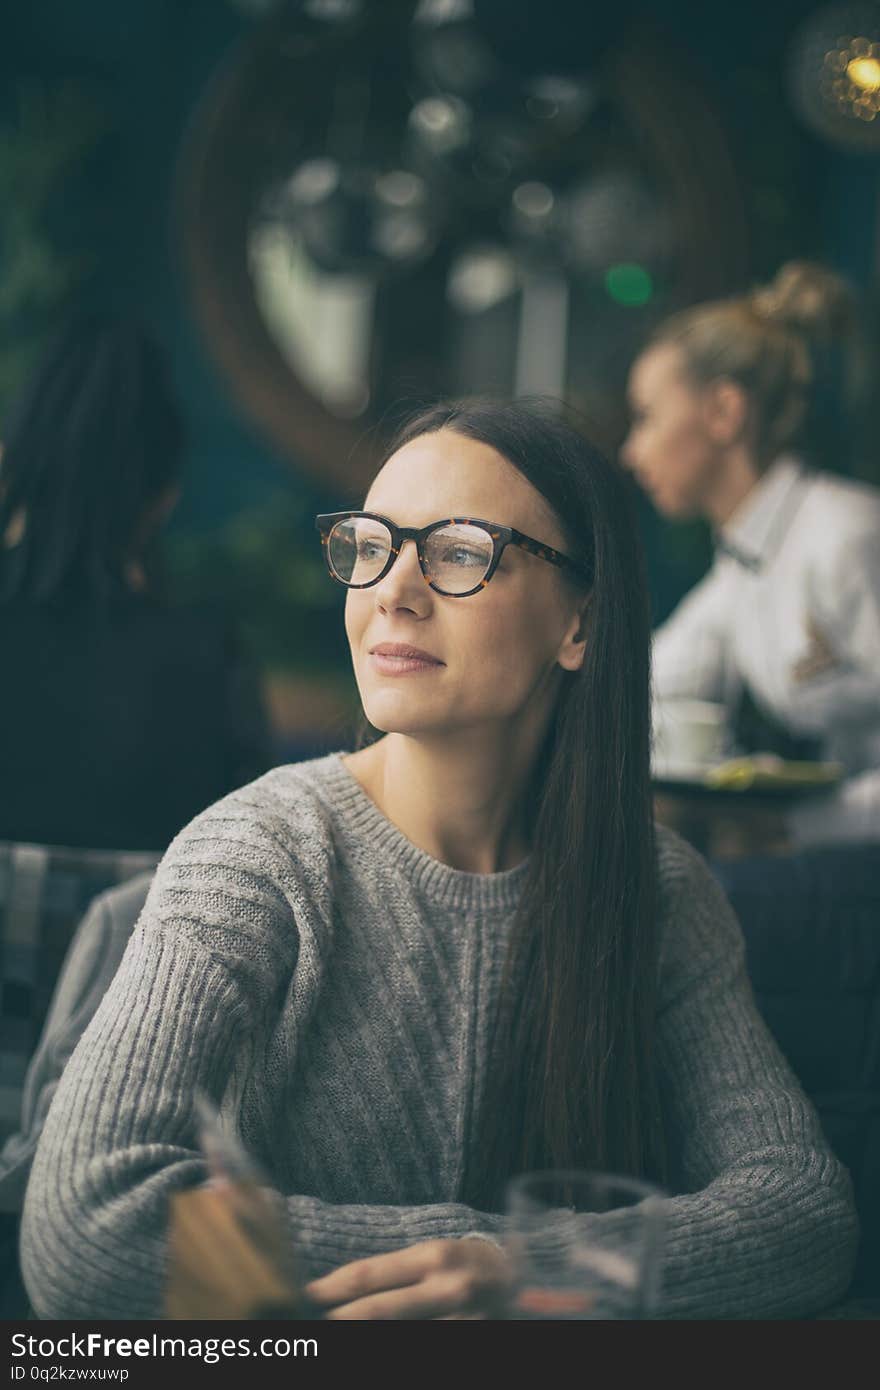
501 537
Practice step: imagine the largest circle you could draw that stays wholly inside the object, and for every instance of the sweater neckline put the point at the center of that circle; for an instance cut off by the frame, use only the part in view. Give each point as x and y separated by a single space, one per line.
435 880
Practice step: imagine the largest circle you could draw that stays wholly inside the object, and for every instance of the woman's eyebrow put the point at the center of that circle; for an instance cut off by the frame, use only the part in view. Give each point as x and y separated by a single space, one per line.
460 512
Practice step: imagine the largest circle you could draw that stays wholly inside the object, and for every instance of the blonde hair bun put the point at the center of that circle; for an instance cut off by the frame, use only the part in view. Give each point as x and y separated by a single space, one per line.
798 347
807 297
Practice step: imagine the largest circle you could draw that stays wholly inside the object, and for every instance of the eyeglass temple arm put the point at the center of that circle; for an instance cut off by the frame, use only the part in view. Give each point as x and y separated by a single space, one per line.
546 552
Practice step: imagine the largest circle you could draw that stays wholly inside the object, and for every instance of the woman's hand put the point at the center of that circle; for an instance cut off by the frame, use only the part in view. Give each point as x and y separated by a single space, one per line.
466 1278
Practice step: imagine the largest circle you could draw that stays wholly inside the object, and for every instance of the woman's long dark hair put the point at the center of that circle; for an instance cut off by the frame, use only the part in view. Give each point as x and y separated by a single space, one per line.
572 1080
96 437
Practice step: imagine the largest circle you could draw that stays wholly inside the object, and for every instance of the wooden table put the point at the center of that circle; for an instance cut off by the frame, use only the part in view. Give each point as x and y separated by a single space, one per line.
725 824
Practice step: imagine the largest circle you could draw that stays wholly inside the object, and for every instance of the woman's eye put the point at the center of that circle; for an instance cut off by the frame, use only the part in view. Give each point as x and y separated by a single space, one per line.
461 555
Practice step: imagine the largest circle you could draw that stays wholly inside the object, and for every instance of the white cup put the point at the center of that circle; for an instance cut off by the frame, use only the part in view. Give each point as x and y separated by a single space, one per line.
689 733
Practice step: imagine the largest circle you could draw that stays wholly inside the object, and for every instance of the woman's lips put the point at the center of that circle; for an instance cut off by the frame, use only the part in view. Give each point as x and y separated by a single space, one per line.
388 665
402 660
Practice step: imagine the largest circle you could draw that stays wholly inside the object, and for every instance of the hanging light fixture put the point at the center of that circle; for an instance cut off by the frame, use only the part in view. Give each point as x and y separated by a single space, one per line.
356 217
835 75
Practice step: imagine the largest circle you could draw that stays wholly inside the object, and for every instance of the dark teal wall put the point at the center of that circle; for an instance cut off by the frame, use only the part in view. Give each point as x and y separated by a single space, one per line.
148 60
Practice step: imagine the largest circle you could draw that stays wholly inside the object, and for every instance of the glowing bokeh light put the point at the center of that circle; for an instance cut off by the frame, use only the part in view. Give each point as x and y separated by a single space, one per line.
629 285
864 73
834 72
851 78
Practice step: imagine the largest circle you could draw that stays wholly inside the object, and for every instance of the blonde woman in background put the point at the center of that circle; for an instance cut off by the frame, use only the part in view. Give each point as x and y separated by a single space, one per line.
738 409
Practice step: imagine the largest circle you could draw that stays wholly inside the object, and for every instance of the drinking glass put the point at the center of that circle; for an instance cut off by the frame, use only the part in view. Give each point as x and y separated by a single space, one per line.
583 1245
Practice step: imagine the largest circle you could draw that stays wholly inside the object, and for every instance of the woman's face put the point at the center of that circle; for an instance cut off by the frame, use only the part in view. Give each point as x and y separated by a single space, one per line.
670 447
499 651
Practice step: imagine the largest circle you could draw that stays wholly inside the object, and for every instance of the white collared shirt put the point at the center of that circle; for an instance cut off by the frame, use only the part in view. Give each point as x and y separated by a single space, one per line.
795 618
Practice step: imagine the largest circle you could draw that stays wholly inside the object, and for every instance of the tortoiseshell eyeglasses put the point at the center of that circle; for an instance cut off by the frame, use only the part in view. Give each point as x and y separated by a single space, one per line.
457 556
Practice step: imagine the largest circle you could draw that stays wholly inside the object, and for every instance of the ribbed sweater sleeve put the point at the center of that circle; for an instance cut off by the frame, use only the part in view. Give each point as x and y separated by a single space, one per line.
95 1245
766 1226
196 992
237 947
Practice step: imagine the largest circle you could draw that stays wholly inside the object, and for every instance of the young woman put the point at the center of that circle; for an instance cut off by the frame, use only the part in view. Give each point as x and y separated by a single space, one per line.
409 972
121 714
736 405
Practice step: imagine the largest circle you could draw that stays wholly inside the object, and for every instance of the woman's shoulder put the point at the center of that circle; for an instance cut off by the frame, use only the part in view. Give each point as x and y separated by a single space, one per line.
679 864
838 538
845 507
286 807
272 838
252 873
697 927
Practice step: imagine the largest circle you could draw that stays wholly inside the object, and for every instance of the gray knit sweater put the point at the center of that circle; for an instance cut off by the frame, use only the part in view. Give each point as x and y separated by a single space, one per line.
332 985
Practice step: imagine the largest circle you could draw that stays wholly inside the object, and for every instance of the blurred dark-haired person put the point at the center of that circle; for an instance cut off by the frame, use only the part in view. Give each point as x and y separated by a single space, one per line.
740 408
121 714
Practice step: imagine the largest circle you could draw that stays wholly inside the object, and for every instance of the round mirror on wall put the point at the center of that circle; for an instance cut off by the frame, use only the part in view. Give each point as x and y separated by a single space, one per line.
383 204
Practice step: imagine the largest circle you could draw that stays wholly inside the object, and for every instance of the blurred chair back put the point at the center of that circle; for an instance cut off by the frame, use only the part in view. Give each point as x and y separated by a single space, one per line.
55 879
812 927
44 893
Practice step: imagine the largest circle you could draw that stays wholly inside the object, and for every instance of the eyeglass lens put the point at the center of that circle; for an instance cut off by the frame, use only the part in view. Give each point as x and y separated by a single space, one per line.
457 557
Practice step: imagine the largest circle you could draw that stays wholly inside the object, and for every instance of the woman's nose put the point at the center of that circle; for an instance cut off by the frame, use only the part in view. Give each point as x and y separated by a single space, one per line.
404 578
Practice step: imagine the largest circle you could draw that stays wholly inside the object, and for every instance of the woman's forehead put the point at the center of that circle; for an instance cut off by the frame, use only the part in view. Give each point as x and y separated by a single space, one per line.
655 369
447 474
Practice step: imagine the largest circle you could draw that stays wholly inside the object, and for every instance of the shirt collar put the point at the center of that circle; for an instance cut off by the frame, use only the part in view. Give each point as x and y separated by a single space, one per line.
755 530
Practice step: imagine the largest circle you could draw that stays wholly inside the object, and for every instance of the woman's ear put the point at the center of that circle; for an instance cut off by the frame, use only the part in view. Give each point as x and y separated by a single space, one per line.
725 410
570 655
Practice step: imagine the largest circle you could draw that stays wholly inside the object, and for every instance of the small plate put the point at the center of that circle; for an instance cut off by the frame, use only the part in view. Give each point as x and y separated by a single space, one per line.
766 770
761 777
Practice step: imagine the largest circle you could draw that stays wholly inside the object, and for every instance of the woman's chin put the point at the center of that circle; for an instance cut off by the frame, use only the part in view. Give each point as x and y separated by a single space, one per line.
391 724
676 508
400 716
